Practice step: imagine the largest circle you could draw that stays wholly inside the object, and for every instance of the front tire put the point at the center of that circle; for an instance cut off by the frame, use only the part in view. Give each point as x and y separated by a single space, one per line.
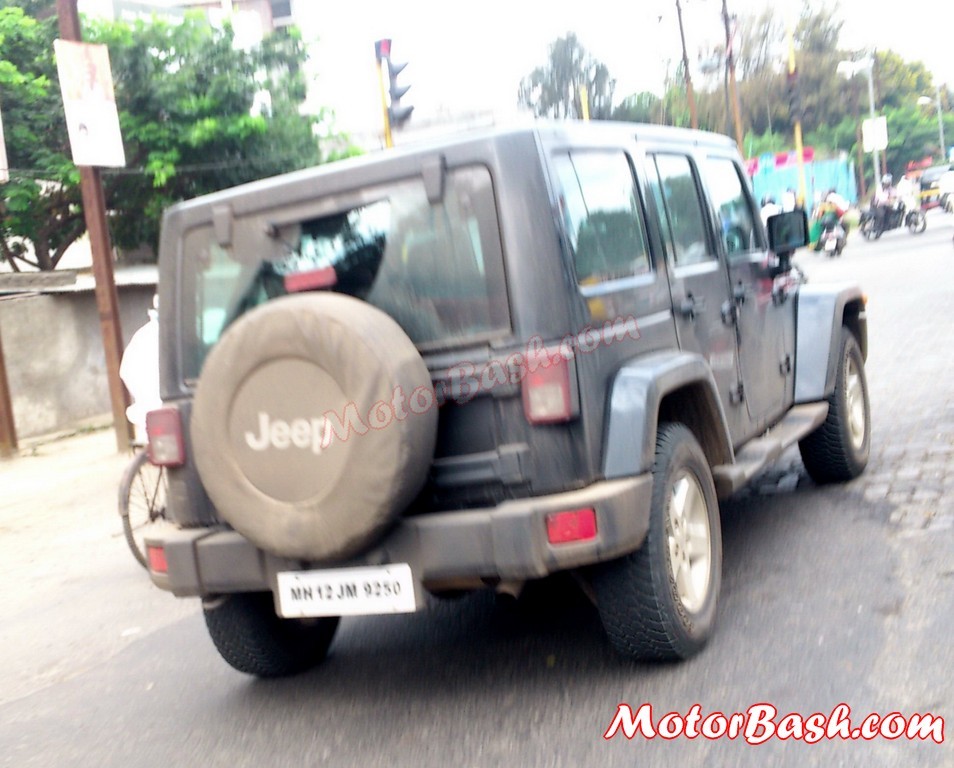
659 603
253 639
838 450
870 229
917 222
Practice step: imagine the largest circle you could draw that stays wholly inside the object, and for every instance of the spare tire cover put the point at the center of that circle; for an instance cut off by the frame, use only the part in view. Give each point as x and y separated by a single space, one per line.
313 425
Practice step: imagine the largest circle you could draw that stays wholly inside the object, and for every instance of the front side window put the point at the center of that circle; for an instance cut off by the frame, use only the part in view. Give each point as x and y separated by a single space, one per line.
732 204
437 269
601 215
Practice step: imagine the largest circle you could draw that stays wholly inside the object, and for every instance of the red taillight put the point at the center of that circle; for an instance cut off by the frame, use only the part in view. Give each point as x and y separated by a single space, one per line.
570 526
157 559
548 392
164 429
312 280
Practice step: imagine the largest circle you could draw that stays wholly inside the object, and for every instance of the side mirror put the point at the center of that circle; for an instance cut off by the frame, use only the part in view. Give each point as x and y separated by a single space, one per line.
786 232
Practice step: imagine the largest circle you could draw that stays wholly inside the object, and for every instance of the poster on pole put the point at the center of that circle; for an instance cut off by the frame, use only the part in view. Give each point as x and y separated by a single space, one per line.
90 104
4 166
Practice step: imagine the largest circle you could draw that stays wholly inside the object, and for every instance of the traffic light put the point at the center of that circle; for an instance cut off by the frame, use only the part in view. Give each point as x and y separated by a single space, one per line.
794 91
395 114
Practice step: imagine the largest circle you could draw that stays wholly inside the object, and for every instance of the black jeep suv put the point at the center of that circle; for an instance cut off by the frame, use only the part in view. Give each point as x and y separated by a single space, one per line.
475 363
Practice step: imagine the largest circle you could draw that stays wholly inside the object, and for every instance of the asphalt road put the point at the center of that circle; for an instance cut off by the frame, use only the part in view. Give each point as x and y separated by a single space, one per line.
830 595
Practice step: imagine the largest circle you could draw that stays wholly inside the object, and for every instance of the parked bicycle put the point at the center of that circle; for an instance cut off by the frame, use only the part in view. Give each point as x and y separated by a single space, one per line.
142 501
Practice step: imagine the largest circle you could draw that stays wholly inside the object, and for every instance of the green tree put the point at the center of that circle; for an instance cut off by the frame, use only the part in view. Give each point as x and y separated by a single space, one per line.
553 90
185 96
643 107
40 204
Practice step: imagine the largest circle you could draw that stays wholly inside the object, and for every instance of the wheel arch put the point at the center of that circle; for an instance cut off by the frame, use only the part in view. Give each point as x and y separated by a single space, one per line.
821 313
669 386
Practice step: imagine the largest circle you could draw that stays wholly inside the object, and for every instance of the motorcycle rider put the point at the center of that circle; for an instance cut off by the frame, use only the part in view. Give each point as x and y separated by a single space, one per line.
769 208
884 201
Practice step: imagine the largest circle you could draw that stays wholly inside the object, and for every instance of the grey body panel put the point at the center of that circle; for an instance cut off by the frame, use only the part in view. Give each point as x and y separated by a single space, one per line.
505 543
821 314
637 391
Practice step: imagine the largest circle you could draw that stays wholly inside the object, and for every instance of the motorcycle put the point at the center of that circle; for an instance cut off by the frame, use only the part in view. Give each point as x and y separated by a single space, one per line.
893 218
832 239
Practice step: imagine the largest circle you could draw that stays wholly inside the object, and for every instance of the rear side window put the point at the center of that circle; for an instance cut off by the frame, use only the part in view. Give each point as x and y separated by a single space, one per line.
682 221
437 269
733 206
601 214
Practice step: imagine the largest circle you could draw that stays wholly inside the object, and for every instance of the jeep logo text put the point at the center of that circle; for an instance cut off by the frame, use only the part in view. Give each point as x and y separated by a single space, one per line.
313 434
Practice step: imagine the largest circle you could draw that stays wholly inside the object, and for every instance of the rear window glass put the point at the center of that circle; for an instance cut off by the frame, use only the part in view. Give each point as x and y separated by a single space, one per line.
437 269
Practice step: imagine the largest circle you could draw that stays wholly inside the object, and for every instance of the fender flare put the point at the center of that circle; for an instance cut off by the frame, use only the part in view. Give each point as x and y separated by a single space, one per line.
821 312
636 394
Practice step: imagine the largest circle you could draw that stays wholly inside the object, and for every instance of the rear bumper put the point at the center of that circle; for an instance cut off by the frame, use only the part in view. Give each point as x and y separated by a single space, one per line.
504 543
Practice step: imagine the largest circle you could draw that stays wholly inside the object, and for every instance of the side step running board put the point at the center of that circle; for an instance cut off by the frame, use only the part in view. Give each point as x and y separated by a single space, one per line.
757 454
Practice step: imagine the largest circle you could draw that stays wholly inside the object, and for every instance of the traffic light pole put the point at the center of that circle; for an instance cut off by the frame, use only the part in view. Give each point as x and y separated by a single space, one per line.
388 141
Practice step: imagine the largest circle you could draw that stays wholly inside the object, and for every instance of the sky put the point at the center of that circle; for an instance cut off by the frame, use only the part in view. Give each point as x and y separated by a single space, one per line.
470 57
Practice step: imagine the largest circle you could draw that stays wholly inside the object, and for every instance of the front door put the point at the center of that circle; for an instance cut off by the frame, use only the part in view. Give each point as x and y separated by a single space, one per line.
765 319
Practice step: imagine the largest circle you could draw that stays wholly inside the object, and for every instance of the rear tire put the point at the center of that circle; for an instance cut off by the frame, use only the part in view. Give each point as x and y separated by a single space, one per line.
838 450
659 602
253 639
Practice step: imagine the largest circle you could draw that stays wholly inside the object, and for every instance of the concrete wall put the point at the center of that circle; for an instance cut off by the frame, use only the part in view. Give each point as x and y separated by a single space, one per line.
54 356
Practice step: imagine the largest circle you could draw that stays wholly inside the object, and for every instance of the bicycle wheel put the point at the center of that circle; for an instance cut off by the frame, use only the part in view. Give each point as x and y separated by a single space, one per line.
142 501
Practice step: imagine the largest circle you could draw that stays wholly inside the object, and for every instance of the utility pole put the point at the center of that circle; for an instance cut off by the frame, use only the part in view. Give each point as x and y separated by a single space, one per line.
730 72
107 301
8 433
797 117
859 141
690 96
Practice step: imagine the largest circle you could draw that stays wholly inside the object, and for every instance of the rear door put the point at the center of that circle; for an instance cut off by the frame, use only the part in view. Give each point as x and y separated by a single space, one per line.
698 281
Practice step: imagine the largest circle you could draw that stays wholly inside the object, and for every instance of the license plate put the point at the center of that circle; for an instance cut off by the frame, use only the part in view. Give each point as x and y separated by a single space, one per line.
346 591
831 245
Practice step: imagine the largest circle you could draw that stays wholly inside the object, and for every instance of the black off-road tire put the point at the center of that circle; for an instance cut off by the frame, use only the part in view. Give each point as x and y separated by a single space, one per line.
637 595
253 639
836 452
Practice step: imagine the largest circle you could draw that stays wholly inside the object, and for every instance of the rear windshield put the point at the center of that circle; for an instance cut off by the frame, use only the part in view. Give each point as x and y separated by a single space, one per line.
437 269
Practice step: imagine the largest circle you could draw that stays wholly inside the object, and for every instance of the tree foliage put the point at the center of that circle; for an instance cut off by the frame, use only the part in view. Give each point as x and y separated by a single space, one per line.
832 107
197 115
38 207
554 89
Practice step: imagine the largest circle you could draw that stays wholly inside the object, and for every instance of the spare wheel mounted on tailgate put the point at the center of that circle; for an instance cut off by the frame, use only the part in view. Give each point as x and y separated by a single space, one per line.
295 436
